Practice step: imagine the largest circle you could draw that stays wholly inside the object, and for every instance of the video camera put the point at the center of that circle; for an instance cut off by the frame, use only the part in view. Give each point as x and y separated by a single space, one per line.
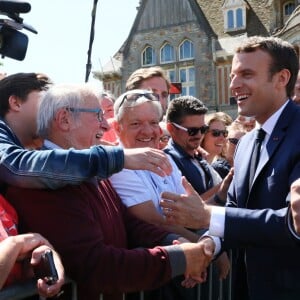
13 43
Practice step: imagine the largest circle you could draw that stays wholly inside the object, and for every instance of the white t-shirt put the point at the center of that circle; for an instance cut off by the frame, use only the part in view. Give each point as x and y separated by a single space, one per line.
138 186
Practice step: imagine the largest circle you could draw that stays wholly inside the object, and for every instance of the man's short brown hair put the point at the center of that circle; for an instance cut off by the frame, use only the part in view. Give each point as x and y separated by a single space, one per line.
20 85
136 79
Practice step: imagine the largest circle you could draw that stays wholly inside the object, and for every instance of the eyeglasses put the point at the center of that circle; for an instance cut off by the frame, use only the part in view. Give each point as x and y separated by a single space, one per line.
135 96
98 111
217 132
192 130
164 138
233 141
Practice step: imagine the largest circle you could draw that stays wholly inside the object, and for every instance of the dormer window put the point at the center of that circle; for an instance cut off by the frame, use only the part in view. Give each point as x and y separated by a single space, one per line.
148 56
234 12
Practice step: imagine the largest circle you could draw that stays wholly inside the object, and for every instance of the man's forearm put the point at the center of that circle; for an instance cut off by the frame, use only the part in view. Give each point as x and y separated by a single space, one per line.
57 168
9 251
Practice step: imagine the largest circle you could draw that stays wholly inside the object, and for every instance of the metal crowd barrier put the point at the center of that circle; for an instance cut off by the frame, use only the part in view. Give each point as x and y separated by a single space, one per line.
222 289
28 289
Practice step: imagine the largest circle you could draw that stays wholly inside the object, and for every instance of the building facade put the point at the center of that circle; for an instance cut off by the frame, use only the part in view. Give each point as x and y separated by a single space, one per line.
194 42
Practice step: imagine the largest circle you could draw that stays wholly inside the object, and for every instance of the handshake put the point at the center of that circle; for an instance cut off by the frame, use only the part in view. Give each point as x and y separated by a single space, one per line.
198 257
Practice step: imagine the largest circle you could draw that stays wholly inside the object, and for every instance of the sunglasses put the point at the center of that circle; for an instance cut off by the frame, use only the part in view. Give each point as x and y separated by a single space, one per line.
135 96
217 132
233 141
192 130
98 111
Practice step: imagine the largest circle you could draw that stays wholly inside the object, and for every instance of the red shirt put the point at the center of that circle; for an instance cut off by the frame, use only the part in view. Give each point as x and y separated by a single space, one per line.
8 227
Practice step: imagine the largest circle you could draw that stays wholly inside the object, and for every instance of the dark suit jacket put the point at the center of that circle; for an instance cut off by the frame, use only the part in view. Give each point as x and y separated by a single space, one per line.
272 257
184 163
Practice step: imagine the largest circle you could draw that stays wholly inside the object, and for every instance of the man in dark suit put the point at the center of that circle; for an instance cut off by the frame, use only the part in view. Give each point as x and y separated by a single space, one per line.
263 75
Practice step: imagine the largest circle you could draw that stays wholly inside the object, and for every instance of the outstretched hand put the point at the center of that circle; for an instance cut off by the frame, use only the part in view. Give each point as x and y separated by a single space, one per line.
222 193
147 159
188 210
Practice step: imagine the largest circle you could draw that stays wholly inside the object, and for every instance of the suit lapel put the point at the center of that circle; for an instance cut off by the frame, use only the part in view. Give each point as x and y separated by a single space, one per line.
277 136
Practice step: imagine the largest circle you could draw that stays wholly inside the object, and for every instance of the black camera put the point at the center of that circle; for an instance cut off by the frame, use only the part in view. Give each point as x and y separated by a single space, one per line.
13 43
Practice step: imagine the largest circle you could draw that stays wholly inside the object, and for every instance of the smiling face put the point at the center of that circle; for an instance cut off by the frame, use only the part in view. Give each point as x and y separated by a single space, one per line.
214 144
85 128
139 126
257 93
182 138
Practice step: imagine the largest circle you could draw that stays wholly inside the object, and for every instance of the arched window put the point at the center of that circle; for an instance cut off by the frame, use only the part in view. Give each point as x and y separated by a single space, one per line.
167 53
186 50
148 56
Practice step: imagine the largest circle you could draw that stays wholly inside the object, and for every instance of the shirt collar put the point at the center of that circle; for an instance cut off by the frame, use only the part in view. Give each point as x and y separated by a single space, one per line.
269 125
50 145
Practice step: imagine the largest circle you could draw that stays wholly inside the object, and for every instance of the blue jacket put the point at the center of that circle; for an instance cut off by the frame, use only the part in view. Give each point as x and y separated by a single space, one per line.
184 162
258 225
53 168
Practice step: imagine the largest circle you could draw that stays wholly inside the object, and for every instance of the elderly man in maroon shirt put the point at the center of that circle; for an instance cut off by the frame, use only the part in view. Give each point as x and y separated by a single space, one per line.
99 241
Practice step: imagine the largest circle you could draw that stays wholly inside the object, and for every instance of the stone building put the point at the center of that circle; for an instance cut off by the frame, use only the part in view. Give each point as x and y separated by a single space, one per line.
194 42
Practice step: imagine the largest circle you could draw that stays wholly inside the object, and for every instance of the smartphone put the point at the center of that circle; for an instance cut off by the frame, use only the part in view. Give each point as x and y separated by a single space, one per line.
46 269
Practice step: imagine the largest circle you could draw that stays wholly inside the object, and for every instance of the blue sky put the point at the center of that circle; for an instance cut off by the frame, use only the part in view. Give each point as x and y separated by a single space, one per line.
60 47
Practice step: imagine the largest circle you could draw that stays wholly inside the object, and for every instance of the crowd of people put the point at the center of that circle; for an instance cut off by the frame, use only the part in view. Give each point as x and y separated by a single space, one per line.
140 193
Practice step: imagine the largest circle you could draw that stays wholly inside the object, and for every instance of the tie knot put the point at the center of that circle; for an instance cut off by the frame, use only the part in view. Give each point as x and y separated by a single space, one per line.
260 134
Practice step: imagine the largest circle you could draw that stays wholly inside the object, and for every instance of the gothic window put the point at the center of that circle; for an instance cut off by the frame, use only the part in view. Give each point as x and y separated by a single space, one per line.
167 53
186 50
148 56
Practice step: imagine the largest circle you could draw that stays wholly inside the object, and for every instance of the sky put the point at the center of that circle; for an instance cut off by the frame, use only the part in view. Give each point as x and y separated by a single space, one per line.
60 47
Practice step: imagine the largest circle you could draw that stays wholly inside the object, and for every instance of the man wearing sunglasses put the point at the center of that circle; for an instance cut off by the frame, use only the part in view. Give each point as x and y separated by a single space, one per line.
137 116
185 123
104 247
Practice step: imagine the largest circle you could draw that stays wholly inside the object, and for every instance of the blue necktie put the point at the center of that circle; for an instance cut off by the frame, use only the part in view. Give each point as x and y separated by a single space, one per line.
260 135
